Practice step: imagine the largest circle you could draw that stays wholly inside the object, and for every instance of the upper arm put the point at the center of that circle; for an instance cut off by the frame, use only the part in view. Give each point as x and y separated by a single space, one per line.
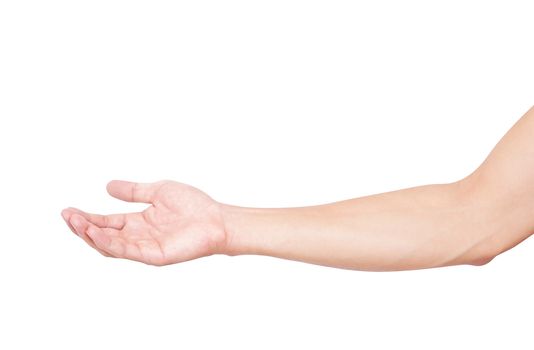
501 191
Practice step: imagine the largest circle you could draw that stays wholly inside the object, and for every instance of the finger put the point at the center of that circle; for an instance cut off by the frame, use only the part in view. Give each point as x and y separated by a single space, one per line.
116 221
66 214
133 191
80 225
114 244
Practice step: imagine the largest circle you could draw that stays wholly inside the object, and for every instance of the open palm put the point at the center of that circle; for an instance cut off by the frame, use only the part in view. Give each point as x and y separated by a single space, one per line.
182 223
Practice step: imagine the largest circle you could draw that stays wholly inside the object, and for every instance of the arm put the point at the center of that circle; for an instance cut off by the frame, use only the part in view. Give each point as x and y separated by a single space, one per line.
466 222
470 221
420 227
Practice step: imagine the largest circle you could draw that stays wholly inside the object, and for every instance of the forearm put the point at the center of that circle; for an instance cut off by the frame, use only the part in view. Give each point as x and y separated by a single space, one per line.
466 222
422 227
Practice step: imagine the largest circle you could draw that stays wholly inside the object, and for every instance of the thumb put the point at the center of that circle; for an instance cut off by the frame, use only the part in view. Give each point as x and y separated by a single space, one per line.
133 191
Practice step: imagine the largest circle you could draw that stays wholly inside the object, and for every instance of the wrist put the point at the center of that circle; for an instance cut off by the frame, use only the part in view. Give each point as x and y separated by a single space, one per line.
245 230
233 217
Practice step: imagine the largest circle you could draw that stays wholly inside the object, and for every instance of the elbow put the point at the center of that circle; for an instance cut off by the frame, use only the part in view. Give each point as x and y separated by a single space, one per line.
485 237
494 221
481 254
481 260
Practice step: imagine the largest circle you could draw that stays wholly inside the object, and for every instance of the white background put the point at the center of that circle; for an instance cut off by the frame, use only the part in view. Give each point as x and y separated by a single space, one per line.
273 103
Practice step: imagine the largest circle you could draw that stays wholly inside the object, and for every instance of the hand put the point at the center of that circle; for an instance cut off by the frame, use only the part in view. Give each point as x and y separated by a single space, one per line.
183 223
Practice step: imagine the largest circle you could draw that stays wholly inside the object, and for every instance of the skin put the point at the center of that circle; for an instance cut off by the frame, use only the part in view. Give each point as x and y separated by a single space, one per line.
469 221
